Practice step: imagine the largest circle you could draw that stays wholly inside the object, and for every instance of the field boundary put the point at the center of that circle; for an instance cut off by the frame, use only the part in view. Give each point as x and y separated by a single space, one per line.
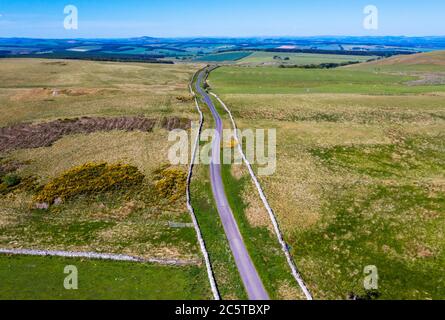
98 256
272 216
202 245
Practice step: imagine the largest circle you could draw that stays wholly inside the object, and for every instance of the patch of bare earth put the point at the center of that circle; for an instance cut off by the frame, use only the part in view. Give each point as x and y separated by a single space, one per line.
120 213
237 171
416 249
175 123
25 135
256 213
431 79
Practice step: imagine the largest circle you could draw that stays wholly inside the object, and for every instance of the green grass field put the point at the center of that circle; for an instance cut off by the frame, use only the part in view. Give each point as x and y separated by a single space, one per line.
292 58
42 278
272 80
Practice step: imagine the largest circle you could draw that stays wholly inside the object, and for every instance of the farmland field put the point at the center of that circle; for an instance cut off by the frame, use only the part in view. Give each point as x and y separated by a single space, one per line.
272 80
360 174
42 278
299 58
428 62
227 56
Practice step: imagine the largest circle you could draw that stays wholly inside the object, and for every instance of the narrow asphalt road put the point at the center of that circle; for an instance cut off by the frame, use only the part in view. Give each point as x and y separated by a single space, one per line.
249 274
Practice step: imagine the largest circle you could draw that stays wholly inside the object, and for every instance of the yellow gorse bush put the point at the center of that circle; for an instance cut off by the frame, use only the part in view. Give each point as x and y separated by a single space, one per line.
171 183
90 178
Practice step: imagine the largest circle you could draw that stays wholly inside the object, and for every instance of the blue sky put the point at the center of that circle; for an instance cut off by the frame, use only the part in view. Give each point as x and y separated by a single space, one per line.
234 18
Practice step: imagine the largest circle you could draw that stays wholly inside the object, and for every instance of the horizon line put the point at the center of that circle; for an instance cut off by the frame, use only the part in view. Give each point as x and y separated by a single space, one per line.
227 37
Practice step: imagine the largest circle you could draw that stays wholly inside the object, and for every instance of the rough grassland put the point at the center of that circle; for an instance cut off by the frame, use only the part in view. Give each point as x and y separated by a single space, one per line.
134 220
360 175
42 90
42 278
429 61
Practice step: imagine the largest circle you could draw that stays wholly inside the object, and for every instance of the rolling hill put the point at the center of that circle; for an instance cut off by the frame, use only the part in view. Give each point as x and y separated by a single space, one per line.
421 62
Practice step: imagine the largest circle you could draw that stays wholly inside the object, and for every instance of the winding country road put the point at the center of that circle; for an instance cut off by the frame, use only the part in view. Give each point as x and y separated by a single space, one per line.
249 275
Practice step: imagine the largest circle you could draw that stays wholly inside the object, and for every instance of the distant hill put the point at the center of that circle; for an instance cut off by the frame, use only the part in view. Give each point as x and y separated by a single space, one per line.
429 61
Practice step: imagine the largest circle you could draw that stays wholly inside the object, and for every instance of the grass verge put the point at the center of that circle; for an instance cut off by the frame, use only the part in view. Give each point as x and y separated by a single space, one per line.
262 245
226 274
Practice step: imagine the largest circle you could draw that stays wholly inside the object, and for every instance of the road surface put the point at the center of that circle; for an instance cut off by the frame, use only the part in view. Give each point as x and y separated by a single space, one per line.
249 275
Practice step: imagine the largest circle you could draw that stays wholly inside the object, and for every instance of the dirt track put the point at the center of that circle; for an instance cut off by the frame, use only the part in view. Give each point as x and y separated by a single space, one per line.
24 136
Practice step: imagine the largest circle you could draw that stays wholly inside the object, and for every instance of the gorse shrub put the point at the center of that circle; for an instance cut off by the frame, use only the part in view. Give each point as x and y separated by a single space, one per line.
170 183
11 180
89 179
184 98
